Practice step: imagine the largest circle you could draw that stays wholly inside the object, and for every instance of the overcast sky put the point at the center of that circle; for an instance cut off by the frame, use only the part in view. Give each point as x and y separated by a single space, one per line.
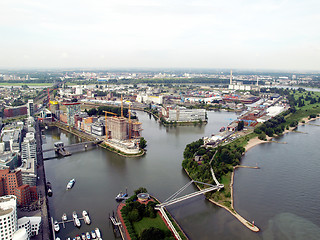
237 34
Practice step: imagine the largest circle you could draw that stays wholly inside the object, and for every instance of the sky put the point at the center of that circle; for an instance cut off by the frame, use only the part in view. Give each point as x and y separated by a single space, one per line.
235 34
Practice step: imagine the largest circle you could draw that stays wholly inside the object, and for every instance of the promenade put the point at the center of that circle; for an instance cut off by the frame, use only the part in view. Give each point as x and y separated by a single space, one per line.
45 232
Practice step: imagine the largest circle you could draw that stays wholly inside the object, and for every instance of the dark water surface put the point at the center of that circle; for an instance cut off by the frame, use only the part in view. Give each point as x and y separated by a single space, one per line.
282 197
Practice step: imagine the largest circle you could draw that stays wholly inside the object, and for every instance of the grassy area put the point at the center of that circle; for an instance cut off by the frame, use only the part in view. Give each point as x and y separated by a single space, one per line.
224 196
28 84
147 222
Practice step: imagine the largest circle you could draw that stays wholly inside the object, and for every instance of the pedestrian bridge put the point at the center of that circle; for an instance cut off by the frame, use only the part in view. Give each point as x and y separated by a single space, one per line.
174 199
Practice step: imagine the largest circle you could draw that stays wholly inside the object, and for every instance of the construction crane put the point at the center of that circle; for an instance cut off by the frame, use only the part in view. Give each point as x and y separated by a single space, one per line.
130 121
121 106
105 116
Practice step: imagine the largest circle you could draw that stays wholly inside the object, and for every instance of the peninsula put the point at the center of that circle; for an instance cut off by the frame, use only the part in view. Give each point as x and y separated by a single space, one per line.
224 156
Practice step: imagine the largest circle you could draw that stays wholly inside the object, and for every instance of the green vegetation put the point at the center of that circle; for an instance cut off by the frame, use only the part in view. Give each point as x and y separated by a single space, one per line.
197 159
142 220
148 222
142 143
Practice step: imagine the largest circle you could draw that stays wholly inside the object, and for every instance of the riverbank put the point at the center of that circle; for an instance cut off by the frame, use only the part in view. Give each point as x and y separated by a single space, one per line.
232 211
86 136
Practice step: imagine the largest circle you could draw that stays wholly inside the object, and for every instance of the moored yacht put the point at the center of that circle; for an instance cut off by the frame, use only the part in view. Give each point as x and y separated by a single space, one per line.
56 226
64 217
98 233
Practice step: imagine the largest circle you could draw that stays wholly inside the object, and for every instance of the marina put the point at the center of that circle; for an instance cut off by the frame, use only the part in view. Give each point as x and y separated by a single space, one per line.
76 221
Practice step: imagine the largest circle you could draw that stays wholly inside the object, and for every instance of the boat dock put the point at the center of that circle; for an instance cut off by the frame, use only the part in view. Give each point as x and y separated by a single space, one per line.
63 222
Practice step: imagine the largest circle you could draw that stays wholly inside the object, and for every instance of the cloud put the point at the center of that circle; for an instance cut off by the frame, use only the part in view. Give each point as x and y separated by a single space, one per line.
161 33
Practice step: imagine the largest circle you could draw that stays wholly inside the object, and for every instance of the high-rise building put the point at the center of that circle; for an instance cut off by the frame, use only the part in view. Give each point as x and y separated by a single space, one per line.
231 77
118 127
30 108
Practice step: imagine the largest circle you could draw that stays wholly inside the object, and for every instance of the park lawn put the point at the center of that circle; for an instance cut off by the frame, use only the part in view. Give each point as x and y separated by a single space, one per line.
147 222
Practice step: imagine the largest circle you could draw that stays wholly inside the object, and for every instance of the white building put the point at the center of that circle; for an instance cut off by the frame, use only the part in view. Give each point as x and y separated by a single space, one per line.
79 90
8 217
180 114
12 228
29 160
30 108
149 99
31 224
21 234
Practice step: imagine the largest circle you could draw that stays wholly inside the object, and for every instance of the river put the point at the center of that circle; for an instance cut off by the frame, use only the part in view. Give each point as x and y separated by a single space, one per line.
100 175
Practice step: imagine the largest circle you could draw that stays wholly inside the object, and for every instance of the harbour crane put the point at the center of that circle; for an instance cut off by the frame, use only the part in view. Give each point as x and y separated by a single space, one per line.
105 116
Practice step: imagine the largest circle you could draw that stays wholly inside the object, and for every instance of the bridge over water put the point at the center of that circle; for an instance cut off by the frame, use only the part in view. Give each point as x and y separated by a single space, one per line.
174 199
73 148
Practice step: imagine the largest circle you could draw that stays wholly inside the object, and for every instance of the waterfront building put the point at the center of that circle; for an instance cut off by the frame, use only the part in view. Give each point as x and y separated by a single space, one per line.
30 108
8 217
117 128
72 110
98 128
181 114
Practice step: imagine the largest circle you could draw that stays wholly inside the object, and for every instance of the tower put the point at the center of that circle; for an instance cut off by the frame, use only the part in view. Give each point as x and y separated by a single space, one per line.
230 77
30 108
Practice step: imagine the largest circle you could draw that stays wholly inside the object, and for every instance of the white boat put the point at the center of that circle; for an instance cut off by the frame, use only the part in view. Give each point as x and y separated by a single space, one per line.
74 214
88 236
64 217
71 183
57 238
86 217
93 234
98 233
56 226
77 222
87 220
83 236
84 213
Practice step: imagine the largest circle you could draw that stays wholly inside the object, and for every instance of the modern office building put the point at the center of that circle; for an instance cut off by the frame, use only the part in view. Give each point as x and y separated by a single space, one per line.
180 114
8 217
30 108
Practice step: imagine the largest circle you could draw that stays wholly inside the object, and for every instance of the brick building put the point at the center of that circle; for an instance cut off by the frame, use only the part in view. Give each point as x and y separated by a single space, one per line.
15 111
11 184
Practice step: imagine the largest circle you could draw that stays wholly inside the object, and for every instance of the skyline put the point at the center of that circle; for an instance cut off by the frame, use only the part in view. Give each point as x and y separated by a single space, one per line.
264 35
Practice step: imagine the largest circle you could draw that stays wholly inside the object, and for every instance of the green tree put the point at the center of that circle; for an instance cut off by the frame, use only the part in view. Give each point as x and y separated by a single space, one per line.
140 190
152 234
143 143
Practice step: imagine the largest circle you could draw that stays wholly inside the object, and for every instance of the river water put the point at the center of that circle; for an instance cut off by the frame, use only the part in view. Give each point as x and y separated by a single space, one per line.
281 197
